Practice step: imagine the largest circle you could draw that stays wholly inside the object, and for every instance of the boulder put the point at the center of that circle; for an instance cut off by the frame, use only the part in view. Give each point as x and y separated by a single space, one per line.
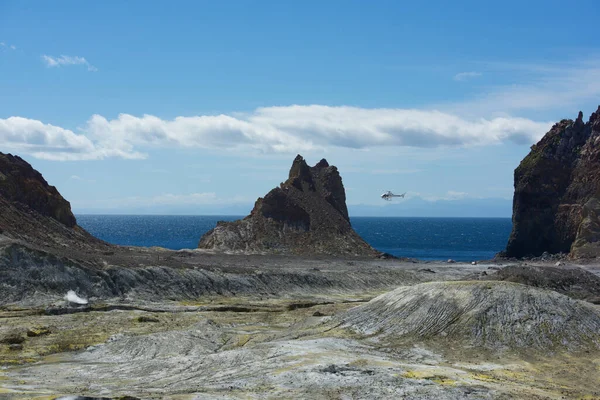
38 331
12 338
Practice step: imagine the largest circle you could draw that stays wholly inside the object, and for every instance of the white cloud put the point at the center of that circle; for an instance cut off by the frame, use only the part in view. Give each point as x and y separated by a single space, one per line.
543 87
67 60
365 128
76 178
463 76
51 142
4 45
289 129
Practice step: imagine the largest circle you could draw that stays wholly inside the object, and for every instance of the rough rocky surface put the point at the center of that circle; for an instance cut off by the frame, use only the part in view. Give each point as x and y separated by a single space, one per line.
421 342
265 326
22 185
557 192
34 213
35 276
306 214
481 314
587 241
572 281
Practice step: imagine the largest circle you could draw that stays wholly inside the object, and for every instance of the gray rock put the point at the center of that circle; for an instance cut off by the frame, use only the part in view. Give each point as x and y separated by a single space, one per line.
487 314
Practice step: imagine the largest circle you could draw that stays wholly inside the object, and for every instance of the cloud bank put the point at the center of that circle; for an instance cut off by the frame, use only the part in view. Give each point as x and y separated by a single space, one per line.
51 142
51 61
290 129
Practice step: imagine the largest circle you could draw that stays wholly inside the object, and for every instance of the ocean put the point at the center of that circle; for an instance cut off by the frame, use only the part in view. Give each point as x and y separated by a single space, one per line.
460 239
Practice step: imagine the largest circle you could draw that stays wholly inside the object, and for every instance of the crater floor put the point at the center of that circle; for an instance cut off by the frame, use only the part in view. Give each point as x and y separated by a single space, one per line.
285 343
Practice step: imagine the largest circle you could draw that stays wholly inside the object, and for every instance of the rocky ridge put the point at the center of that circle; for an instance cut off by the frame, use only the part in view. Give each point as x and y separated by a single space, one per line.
22 185
556 204
572 281
306 214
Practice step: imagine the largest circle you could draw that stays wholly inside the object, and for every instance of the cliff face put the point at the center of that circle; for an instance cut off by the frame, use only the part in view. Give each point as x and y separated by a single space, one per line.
34 212
557 189
306 214
20 183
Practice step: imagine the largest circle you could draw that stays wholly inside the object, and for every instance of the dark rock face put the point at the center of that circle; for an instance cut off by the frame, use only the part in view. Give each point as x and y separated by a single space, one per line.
33 212
306 214
557 192
574 282
587 242
20 183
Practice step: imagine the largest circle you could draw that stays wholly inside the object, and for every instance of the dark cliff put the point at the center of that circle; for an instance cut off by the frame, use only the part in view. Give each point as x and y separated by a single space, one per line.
23 185
306 214
34 212
557 191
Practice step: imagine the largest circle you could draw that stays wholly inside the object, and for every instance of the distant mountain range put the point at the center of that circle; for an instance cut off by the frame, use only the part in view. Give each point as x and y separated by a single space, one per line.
412 207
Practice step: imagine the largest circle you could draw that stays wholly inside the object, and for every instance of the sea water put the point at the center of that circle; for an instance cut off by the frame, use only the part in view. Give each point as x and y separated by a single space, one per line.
460 239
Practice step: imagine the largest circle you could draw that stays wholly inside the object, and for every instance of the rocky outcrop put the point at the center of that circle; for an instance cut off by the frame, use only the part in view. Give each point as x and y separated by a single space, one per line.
21 184
34 213
306 214
557 192
571 281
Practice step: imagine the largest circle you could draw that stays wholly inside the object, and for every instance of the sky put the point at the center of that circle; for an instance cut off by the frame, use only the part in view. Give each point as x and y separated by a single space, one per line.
197 107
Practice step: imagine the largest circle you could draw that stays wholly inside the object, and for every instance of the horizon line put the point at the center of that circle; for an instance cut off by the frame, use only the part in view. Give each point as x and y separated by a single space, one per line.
242 216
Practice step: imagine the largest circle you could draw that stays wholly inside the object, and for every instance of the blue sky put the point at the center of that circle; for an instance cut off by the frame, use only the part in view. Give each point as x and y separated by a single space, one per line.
185 107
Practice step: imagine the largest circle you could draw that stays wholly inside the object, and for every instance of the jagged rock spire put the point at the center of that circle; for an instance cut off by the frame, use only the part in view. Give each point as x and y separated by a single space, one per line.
305 214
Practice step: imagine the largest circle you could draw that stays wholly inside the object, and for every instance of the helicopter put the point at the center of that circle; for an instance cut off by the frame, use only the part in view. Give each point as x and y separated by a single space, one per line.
389 195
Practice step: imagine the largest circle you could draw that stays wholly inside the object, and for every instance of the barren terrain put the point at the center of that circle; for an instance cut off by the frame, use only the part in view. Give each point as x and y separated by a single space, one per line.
196 325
